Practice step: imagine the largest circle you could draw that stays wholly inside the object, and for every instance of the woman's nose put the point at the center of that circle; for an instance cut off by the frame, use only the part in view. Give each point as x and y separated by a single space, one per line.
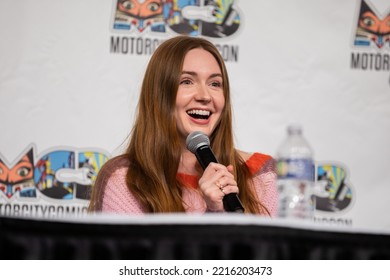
203 94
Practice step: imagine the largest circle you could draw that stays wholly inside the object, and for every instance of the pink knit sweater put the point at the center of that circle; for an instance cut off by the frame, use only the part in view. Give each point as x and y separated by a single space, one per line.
118 199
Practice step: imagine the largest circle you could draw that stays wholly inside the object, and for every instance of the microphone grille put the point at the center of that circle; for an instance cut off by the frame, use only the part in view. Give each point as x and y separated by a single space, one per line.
195 140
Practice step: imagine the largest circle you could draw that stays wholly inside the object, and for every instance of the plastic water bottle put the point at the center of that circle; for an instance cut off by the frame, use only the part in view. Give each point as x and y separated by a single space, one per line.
296 171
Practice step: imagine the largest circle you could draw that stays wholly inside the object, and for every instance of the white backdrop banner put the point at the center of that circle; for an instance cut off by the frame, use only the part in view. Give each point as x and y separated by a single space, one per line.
71 71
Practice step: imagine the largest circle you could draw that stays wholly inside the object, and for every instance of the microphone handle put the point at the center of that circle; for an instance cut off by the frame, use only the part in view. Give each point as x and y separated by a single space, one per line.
231 201
205 155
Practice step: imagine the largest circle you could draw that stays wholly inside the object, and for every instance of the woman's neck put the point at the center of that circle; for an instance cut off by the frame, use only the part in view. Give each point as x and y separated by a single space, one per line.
188 163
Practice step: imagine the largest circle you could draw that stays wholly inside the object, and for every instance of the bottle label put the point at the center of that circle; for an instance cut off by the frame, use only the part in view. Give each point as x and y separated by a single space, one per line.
301 169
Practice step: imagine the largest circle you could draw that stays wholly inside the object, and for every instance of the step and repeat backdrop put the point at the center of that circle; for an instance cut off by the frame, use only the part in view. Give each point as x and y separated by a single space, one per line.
70 75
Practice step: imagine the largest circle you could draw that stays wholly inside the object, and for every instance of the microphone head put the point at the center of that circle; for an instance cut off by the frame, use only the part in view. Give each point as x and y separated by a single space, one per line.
195 140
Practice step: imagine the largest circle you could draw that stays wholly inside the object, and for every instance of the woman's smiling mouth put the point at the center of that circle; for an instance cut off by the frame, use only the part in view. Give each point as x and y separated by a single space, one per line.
199 114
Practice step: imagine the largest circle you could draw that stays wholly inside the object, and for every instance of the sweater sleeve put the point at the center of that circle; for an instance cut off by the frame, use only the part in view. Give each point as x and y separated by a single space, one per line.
266 189
117 198
263 168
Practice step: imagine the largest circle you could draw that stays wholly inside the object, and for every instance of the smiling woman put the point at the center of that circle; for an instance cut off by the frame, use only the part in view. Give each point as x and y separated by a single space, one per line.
199 99
185 89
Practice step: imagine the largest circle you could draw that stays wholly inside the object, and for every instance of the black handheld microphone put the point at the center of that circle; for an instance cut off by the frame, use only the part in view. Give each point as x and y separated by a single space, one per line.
199 144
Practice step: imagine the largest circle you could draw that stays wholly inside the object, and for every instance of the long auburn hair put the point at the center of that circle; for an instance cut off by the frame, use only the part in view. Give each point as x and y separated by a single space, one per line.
155 146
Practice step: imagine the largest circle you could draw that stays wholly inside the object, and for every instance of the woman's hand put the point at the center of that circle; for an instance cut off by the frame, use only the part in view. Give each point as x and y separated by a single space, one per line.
216 182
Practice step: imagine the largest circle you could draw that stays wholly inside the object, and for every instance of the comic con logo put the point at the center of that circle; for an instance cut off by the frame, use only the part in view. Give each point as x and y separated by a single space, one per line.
208 18
333 190
216 19
371 38
57 181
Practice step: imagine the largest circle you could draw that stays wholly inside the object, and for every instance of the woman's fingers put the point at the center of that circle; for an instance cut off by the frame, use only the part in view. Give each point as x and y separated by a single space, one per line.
216 182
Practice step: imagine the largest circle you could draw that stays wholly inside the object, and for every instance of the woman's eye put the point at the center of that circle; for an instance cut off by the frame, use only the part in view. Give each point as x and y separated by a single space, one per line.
185 82
216 84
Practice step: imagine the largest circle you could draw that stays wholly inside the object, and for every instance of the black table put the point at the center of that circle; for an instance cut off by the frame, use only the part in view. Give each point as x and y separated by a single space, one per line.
223 236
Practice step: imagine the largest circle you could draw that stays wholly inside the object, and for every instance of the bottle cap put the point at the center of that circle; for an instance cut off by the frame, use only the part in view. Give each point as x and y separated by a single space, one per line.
294 128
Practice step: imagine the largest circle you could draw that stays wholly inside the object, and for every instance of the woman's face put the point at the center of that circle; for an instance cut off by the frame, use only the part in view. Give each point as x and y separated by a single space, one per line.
200 98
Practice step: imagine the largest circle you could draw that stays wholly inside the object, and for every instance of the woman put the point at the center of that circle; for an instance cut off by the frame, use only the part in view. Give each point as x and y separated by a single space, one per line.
185 89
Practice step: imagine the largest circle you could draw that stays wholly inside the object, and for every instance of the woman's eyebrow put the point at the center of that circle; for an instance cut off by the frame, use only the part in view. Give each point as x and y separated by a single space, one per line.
192 73
189 72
